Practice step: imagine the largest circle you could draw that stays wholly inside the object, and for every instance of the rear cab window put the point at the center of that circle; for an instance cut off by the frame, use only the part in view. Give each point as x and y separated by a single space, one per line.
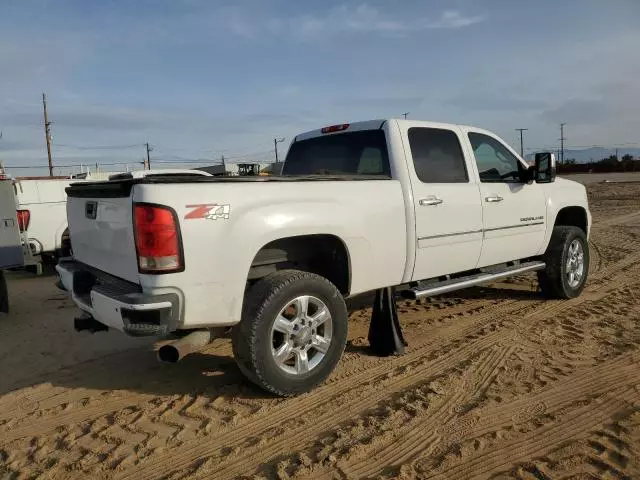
359 153
437 155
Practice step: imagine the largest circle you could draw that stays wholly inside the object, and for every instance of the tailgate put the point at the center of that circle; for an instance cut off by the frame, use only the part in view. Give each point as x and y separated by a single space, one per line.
101 227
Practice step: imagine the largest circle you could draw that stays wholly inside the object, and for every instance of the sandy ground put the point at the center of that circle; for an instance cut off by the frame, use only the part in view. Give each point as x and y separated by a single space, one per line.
496 383
590 178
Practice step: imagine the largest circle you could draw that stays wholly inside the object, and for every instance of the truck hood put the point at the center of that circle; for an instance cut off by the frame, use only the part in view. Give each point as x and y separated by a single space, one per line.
569 184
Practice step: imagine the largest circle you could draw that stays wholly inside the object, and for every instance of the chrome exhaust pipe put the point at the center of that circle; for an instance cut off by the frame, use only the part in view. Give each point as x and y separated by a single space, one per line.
175 351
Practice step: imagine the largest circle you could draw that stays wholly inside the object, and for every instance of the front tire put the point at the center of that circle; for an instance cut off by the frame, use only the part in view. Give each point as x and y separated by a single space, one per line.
292 333
567 263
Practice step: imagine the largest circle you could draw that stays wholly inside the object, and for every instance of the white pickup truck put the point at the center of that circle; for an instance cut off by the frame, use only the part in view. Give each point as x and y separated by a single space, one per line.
432 207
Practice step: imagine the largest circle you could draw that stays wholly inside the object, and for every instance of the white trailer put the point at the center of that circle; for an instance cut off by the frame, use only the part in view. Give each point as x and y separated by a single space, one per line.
11 253
42 208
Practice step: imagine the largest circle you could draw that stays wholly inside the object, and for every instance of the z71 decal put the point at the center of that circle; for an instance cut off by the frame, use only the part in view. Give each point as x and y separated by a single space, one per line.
209 211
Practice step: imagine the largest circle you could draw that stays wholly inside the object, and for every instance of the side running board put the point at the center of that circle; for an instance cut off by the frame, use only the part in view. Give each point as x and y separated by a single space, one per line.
435 287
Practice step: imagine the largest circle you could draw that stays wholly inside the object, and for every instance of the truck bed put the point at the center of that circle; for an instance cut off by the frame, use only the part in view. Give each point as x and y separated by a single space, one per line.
123 187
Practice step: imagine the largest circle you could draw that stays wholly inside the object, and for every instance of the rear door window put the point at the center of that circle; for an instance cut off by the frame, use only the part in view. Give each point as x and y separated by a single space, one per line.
437 155
353 153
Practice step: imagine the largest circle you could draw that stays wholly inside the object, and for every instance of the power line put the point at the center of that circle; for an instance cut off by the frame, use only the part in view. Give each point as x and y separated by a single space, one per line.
100 147
600 145
204 150
244 155
67 165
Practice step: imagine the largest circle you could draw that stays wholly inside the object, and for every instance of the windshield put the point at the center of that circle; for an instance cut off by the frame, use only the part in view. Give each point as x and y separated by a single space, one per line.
354 153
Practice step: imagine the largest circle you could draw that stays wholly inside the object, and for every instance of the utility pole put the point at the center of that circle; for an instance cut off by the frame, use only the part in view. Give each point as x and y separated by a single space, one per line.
149 150
47 133
521 143
562 139
276 141
405 114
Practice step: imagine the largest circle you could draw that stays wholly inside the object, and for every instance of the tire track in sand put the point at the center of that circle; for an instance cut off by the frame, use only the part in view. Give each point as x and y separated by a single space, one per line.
422 365
576 413
444 434
474 380
48 397
418 436
463 330
384 445
619 220
470 352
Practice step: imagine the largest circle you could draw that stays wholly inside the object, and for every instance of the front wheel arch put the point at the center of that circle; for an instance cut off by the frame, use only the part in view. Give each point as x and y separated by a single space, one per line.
572 216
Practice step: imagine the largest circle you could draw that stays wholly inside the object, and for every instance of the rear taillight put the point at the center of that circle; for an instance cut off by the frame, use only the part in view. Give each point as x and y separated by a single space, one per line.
157 239
24 217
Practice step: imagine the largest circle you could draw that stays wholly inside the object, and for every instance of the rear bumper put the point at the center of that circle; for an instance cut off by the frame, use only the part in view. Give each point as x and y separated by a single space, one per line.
117 303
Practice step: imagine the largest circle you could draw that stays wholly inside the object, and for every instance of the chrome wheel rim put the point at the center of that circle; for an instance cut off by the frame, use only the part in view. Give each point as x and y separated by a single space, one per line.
575 264
301 335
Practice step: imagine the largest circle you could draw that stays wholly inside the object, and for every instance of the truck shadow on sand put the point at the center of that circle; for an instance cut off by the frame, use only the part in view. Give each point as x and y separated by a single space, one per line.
138 370
213 371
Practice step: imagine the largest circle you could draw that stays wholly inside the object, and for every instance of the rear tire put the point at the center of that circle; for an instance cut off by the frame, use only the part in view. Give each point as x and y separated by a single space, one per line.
292 333
567 263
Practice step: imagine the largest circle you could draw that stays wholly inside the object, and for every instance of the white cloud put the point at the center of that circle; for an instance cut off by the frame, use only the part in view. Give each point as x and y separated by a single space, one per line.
347 19
454 19
341 19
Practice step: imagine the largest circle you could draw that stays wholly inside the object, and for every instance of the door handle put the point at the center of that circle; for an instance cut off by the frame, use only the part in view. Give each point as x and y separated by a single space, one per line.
494 198
430 201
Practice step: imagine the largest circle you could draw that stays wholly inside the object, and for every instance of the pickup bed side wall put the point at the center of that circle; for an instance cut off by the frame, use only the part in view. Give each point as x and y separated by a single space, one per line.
367 216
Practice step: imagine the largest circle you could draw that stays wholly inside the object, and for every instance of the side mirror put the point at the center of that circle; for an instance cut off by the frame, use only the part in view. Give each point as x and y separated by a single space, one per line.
545 167
529 175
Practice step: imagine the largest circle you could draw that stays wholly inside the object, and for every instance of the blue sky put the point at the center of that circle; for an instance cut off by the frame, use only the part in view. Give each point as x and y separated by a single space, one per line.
198 78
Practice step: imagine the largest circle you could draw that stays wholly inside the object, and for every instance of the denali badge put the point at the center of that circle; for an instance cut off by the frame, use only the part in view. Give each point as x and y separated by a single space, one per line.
210 211
531 219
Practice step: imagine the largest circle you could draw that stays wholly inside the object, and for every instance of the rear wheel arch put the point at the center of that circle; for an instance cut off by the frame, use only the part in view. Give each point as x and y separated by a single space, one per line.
325 255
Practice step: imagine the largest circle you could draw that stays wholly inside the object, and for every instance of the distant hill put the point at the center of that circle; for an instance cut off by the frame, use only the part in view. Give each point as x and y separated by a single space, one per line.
595 154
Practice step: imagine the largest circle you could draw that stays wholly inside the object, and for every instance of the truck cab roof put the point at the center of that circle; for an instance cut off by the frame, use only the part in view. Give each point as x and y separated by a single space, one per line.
379 123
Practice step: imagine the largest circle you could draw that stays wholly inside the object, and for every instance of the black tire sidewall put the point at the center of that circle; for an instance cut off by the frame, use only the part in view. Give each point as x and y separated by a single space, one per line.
266 368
